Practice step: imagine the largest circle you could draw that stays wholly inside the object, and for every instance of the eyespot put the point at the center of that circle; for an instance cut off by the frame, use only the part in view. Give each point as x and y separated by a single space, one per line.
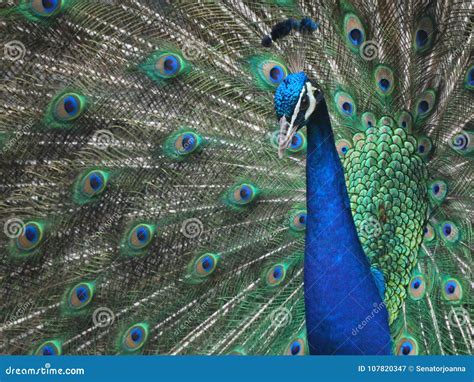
405 120
417 287
186 143
345 104
46 8
469 78
298 143
384 80
80 295
273 72
449 232
296 347
452 290
425 104
49 348
437 191
168 65
407 345
424 35
368 120
69 107
140 236
354 31
343 146
30 237
424 146
205 264
428 233
462 142
243 194
276 275
94 183
298 220
135 337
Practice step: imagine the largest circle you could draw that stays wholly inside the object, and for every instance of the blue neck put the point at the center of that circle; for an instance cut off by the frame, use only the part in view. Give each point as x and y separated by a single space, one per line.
344 310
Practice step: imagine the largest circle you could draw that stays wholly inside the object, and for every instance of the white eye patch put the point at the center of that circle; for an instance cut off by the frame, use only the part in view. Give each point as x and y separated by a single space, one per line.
312 100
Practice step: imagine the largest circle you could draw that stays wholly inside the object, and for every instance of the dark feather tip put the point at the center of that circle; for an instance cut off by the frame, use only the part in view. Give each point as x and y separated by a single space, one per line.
307 25
267 41
281 29
295 24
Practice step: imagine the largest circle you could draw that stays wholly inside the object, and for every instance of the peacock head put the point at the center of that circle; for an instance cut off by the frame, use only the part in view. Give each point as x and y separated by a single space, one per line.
295 101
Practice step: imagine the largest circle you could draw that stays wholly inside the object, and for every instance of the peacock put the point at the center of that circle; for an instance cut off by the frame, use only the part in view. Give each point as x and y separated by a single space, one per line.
236 177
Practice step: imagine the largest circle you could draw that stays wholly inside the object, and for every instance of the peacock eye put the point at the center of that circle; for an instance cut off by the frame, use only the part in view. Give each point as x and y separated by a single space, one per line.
298 220
343 146
80 296
30 237
135 337
405 120
345 104
276 275
273 72
428 233
425 103
243 194
169 65
417 286
49 348
424 146
449 232
469 78
354 31
205 264
438 191
452 290
298 143
186 143
297 347
384 79
406 345
406 348
46 8
68 107
140 236
424 34
368 120
94 183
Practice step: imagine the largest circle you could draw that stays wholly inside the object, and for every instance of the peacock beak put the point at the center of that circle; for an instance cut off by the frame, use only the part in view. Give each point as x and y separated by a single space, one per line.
286 134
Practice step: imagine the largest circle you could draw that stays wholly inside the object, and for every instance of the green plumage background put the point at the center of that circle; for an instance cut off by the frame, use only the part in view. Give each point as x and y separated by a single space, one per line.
129 131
